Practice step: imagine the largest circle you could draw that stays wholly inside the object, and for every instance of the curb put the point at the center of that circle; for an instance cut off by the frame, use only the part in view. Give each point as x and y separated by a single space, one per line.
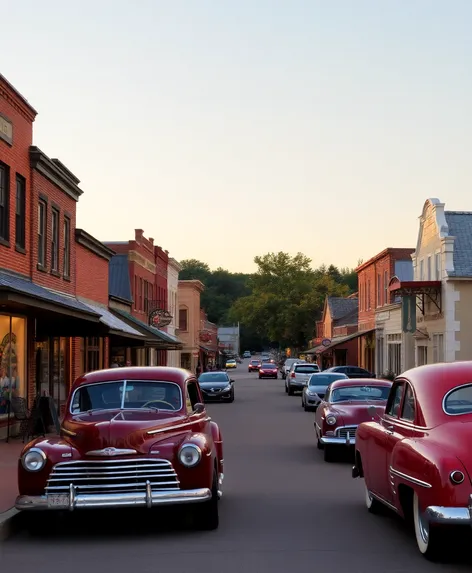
9 521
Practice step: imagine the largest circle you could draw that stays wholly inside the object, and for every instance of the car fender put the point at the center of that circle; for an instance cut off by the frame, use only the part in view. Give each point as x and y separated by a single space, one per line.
218 441
366 431
426 468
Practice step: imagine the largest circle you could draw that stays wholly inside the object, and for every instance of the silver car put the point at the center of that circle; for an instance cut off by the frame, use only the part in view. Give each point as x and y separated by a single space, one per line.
314 391
298 376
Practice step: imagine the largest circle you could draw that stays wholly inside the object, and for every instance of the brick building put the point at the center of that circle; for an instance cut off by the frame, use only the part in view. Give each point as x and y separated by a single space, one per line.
42 319
146 264
373 282
336 333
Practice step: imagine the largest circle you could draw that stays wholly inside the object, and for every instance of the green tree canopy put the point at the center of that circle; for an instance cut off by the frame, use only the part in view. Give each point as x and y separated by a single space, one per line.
287 297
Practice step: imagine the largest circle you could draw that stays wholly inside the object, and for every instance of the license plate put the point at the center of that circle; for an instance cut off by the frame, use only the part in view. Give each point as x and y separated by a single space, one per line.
58 500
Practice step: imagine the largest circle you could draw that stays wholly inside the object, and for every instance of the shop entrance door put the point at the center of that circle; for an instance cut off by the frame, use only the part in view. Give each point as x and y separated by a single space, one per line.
53 369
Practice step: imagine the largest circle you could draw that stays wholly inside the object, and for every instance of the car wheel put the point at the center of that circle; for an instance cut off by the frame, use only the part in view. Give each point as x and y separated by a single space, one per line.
319 445
306 408
286 389
207 513
290 390
232 397
373 505
328 453
428 537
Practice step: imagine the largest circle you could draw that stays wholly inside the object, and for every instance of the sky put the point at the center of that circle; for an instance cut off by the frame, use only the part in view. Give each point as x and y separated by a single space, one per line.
228 129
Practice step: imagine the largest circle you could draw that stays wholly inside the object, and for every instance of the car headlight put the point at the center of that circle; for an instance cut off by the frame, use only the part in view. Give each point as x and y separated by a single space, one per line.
34 460
331 420
227 389
190 455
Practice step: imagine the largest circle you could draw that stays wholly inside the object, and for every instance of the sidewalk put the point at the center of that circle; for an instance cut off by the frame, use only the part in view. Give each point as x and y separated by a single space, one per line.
9 454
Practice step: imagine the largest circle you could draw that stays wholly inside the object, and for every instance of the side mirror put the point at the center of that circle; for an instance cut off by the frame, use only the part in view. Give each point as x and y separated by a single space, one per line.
199 408
232 381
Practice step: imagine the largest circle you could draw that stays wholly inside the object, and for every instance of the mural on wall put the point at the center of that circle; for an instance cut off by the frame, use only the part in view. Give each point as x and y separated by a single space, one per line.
9 376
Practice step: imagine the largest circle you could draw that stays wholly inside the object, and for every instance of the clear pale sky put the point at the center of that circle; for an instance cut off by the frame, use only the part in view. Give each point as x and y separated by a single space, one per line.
230 128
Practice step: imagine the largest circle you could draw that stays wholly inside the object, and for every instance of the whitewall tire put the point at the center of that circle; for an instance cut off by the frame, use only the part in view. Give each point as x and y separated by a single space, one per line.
430 540
373 505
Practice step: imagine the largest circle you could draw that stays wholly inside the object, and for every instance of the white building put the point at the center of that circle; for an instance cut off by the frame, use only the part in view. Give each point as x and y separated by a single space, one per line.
173 269
229 337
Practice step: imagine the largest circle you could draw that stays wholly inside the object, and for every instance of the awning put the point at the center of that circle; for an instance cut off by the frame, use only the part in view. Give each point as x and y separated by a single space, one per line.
342 339
412 288
153 336
21 291
207 350
117 326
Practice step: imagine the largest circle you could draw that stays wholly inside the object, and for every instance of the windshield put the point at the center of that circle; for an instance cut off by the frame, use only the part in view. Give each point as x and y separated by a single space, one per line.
308 369
324 379
269 366
232 360
459 401
349 393
127 395
213 377
255 362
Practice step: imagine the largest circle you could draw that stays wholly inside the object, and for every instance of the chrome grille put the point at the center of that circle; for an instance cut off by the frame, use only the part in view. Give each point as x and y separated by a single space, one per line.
112 476
342 432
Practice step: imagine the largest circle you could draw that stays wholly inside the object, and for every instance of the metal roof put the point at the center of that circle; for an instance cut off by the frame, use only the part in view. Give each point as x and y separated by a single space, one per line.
119 285
460 227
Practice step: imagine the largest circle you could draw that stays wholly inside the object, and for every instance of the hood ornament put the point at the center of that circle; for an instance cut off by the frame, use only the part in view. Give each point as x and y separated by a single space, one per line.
110 452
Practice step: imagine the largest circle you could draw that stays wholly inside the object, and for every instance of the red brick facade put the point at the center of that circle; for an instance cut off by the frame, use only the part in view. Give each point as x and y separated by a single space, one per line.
373 277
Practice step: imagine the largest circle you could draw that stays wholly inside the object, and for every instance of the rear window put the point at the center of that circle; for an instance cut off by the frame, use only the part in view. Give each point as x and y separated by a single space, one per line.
325 379
459 401
306 368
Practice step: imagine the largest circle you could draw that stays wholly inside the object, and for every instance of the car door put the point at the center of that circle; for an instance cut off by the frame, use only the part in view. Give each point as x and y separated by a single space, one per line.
379 443
402 427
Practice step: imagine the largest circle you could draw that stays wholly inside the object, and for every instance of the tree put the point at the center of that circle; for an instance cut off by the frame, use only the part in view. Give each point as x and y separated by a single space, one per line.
287 298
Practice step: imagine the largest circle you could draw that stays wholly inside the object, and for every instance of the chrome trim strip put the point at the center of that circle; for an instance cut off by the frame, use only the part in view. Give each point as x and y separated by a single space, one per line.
68 432
339 441
384 501
177 427
409 478
133 499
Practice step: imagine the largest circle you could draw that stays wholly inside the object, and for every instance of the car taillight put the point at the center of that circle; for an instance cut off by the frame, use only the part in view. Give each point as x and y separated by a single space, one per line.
292 375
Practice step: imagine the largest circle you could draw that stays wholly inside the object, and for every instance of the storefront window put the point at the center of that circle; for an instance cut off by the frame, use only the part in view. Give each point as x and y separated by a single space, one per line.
12 359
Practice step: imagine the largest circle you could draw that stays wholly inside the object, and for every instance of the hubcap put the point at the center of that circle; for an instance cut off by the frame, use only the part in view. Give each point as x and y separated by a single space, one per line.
423 527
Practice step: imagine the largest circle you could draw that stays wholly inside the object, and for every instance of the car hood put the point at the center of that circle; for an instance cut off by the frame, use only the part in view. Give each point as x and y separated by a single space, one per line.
317 389
121 429
209 385
357 412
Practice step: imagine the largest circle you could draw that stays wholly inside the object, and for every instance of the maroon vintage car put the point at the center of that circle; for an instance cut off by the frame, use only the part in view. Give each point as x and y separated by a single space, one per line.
343 408
416 457
131 437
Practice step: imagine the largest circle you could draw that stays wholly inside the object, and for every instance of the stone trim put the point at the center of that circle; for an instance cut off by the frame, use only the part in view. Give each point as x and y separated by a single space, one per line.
451 345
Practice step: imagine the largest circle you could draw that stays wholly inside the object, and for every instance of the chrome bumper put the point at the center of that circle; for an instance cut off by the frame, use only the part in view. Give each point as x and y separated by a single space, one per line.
146 498
449 515
338 441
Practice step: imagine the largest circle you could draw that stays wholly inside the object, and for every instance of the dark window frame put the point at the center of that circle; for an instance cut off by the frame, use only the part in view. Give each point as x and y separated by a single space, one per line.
66 227
183 328
55 239
42 234
4 204
20 213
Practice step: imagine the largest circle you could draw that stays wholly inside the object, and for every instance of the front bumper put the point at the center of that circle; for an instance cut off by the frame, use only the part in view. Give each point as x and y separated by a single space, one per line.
147 498
266 375
217 397
333 440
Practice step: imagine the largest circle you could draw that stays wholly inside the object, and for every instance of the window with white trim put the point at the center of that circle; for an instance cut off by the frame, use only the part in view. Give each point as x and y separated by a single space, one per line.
386 293
438 347
394 353
422 355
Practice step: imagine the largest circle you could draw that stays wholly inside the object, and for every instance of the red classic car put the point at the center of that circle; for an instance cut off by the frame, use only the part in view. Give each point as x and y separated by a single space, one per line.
343 408
416 457
131 437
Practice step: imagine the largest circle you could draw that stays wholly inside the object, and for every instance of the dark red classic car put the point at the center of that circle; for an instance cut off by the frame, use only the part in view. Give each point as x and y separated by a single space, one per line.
131 437
416 457
343 408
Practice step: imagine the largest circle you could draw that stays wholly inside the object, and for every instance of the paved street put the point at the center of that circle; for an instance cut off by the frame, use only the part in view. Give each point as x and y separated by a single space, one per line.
284 510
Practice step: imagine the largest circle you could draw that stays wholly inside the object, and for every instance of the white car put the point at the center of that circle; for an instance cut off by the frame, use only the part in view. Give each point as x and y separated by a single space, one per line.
288 364
247 354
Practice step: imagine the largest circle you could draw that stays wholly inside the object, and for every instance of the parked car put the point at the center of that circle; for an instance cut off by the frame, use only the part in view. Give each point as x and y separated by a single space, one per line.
416 458
288 364
247 354
216 387
344 407
146 425
231 363
315 390
351 371
268 370
298 376
254 366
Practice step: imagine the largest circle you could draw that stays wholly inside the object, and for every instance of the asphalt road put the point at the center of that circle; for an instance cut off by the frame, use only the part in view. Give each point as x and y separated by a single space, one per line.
284 510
